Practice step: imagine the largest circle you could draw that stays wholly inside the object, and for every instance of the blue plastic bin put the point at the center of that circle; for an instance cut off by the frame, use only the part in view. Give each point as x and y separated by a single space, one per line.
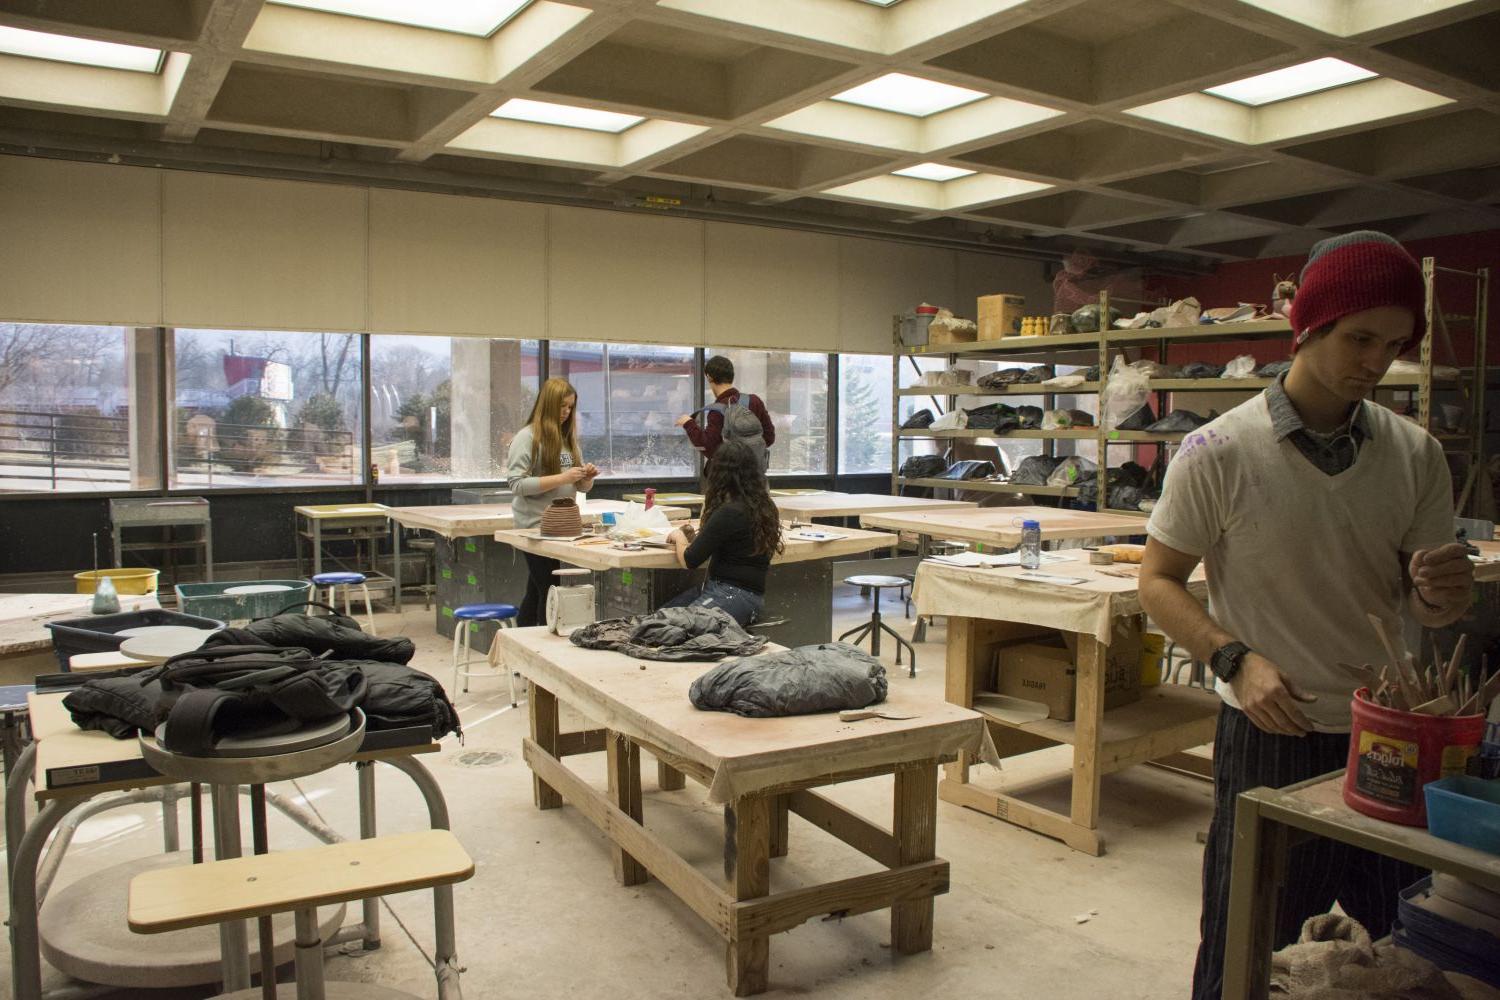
1466 811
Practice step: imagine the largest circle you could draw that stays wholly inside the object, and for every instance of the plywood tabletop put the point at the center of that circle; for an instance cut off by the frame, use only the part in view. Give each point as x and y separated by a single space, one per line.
473 520
598 554
24 617
335 511
1001 526
855 504
648 700
1487 568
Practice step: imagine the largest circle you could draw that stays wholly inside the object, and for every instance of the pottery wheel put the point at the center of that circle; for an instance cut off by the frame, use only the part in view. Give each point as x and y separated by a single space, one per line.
162 642
84 934
256 588
307 737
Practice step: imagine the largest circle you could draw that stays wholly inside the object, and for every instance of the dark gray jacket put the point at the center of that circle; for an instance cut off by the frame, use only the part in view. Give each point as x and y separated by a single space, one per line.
691 633
823 678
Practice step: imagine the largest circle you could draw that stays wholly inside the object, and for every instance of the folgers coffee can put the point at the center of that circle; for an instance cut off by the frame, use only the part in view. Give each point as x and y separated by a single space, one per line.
1393 754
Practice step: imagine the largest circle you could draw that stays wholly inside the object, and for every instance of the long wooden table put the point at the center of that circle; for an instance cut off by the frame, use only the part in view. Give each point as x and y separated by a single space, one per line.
988 607
838 505
799 586
761 770
1001 526
484 519
1267 821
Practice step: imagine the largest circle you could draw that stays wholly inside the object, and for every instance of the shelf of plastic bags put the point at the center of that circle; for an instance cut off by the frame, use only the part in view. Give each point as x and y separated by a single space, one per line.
1209 331
1076 433
1156 384
1141 437
1028 389
985 485
1011 345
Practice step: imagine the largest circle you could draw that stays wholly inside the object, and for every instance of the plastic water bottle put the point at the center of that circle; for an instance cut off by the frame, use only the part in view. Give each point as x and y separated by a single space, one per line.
1031 544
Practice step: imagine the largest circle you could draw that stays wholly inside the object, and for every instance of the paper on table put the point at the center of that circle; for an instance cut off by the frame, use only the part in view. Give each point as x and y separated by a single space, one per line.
815 536
1012 710
1051 578
975 559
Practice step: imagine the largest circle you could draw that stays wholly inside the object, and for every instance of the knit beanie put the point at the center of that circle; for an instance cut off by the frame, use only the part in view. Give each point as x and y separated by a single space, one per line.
1357 271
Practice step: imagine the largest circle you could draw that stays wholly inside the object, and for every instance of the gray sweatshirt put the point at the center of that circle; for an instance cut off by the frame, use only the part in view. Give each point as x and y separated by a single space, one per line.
529 499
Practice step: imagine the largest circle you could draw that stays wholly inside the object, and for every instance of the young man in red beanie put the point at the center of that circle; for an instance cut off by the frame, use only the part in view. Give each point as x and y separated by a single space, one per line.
1310 507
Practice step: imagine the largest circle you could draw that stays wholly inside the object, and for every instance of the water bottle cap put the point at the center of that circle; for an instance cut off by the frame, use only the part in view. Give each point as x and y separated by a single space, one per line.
1029 525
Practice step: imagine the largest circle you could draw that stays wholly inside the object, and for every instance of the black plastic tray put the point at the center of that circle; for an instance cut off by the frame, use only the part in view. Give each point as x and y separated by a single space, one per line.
98 633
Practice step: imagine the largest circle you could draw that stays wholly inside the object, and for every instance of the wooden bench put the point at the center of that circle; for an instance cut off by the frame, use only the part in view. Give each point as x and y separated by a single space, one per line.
302 880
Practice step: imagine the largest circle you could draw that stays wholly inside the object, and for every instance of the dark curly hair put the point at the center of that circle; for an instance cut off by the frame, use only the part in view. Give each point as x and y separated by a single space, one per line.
735 474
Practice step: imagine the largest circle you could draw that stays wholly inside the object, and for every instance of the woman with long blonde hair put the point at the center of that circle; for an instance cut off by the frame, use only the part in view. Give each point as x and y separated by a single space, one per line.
545 465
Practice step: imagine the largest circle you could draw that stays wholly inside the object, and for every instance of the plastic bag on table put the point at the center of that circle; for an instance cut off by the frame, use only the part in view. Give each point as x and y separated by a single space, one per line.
1241 367
1127 391
636 522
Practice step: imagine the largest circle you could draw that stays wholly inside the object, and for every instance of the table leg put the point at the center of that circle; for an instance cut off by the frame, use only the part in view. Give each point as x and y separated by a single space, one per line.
317 546
208 551
1257 873
668 778
544 733
624 766
747 866
297 544
115 531
233 942
959 681
396 559
780 816
1088 715
915 827
365 775
924 549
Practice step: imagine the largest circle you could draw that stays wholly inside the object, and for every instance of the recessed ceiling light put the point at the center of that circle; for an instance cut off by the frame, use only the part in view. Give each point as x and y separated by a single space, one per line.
881 3
908 95
933 172
1294 81
545 113
465 17
84 51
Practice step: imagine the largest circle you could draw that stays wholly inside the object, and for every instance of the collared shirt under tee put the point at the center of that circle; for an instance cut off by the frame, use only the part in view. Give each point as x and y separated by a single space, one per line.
1296 557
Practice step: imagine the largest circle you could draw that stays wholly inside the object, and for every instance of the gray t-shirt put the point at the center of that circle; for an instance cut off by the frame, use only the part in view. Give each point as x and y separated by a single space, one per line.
1295 557
528 499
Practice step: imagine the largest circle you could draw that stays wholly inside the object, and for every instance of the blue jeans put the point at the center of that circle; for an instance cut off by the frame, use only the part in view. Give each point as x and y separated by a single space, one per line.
744 606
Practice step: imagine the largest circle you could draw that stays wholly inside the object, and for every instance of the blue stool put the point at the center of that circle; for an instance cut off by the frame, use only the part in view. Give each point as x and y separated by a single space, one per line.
505 614
333 581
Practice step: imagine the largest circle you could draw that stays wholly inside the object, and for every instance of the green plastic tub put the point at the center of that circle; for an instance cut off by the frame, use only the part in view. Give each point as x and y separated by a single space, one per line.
240 600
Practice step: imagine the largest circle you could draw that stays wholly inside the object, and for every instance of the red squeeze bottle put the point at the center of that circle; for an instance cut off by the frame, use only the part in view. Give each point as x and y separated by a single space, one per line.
650 497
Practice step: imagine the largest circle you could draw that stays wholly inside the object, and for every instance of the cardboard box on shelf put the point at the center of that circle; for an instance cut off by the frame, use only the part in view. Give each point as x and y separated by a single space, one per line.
1047 672
1000 315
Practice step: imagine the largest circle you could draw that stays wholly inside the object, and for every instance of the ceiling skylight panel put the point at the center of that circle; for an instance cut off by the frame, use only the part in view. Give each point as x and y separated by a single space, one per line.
464 17
546 113
1294 81
933 172
83 51
908 95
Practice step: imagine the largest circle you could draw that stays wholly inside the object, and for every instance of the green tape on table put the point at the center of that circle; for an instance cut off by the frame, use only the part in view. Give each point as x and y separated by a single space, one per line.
473 580
1114 435
470 547
627 577
447 612
447 574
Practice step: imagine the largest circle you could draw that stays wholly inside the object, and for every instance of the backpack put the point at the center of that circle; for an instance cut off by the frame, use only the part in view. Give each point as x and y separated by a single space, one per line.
741 424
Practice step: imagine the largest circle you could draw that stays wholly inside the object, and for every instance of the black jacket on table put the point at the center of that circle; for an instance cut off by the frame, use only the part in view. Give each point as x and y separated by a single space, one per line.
726 543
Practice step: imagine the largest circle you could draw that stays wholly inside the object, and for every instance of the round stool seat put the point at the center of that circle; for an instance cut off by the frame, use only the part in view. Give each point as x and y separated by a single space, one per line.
334 579
485 612
875 581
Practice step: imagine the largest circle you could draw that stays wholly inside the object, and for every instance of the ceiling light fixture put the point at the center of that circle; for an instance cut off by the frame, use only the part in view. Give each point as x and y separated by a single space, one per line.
908 95
1294 81
881 3
464 17
933 172
545 113
83 51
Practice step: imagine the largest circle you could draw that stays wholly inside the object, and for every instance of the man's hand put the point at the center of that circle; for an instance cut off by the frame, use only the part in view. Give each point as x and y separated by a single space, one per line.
684 420
1442 577
1270 698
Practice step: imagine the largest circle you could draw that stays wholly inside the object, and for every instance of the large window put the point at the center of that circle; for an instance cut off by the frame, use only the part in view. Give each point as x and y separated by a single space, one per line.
260 409
445 409
794 386
78 408
630 397
864 413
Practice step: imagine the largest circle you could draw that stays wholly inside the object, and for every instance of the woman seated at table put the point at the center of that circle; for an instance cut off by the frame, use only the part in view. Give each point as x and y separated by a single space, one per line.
738 534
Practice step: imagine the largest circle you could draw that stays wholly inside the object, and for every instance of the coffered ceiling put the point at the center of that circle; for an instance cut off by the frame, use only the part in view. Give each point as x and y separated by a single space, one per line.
1181 131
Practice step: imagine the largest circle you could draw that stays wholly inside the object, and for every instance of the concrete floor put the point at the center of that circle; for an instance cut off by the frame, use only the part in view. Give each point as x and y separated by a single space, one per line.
543 916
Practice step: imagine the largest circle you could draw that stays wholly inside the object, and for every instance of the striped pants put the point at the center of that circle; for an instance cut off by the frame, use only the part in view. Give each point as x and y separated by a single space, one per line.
1318 872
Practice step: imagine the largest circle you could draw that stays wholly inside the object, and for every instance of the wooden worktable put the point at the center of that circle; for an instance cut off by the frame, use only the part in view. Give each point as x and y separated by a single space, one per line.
600 556
1001 526
813 505
763 770
986 607
475 520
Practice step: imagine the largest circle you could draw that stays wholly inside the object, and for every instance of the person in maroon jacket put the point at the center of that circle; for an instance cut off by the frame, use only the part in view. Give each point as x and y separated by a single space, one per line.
719 372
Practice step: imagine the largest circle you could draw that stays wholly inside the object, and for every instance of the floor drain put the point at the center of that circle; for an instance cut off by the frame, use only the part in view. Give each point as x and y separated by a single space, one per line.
480 758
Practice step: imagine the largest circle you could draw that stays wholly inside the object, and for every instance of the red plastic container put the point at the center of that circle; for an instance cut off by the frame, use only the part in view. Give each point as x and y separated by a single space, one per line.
1393 754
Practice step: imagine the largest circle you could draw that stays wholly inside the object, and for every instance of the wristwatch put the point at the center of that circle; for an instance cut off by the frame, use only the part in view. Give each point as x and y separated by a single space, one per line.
1227 659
